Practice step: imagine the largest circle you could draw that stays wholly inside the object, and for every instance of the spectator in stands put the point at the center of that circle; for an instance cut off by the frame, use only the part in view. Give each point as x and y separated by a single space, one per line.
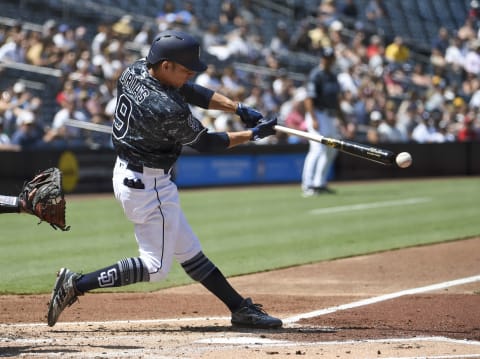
280 42
467 31
19 98
442 40
282 86
470 84
96 139
337 42
455 59
209 78
14 50
474 11
100 38
375 45
36 46
124 27
435 95
254 98
296 119
395 80
60 133
458 110
29 135
228 16
472 58
319 37
67 63
389 130
300 39
230 82
397 52
240 44
348 79
166 16
13 31
327 12
408 118
419 77
376 118
428 129
468 131
188 16
437 61
64 39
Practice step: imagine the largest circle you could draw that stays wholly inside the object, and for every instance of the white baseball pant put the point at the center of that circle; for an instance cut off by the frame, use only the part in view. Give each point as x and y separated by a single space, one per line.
319 157
161 229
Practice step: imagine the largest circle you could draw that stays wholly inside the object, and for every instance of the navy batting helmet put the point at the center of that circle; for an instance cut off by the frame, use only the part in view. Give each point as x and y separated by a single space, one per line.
178 47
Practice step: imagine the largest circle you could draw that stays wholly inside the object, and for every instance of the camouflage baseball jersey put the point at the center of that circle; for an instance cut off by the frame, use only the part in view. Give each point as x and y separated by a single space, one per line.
152 121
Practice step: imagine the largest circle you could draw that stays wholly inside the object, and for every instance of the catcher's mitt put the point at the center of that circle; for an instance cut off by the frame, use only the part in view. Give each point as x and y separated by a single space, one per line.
43 197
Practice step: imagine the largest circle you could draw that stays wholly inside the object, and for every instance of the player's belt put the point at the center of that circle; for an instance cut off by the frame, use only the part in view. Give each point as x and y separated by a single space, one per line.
132 166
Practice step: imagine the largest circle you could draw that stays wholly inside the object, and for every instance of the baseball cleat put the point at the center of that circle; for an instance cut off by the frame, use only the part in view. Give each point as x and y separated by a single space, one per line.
64 294
253 316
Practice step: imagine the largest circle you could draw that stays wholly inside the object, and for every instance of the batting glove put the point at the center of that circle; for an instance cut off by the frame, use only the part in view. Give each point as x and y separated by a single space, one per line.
248 115
264 128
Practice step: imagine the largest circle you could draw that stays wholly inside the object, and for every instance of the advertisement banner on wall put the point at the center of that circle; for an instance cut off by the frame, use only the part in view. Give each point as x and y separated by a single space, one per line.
192 171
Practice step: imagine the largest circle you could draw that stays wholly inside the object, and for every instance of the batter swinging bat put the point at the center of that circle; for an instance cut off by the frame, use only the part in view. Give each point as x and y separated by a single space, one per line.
385 157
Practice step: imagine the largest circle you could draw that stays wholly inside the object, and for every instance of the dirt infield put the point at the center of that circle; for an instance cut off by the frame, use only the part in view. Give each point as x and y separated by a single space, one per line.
421 301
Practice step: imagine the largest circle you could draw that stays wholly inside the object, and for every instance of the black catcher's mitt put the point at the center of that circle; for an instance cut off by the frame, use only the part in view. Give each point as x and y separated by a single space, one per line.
43 197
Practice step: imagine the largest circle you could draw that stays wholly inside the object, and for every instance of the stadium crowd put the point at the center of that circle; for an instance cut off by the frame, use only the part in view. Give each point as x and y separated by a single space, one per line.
388 93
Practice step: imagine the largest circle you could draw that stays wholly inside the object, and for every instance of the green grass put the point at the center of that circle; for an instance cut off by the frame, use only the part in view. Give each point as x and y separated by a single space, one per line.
246 230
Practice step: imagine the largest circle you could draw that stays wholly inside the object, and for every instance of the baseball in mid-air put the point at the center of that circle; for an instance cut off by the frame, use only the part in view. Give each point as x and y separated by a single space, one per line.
403 159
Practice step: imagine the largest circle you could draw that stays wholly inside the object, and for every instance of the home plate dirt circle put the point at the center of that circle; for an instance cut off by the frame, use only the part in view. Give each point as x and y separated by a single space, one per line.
415 302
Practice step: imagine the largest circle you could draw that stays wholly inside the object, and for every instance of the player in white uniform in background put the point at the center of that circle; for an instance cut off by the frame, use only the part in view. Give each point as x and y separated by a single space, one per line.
321 111
152 123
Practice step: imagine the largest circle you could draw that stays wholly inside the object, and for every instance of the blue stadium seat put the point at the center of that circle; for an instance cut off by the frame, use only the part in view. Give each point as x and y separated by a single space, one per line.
441 9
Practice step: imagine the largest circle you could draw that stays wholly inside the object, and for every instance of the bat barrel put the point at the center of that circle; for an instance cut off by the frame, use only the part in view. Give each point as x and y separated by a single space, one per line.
374 154
371 153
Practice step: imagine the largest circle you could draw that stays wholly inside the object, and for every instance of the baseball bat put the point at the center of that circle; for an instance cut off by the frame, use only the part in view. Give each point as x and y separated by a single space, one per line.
378 155
374 154
89 126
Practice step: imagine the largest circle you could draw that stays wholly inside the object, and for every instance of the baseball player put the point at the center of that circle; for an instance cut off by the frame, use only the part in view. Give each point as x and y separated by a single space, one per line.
152 123
321 111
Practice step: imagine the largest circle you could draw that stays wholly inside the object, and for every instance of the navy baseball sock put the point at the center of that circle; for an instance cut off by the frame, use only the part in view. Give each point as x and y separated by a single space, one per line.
202 270
218 285
124 272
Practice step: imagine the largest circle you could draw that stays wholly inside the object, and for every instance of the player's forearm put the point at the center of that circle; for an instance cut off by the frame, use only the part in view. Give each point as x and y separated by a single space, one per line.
222 103
238 138
310 109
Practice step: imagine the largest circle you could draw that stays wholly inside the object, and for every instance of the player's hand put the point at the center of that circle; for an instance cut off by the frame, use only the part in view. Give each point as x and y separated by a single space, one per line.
248 115
264 128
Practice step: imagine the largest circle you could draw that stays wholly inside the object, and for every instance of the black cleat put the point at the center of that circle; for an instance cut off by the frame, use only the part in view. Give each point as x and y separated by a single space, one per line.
252 315
64 294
